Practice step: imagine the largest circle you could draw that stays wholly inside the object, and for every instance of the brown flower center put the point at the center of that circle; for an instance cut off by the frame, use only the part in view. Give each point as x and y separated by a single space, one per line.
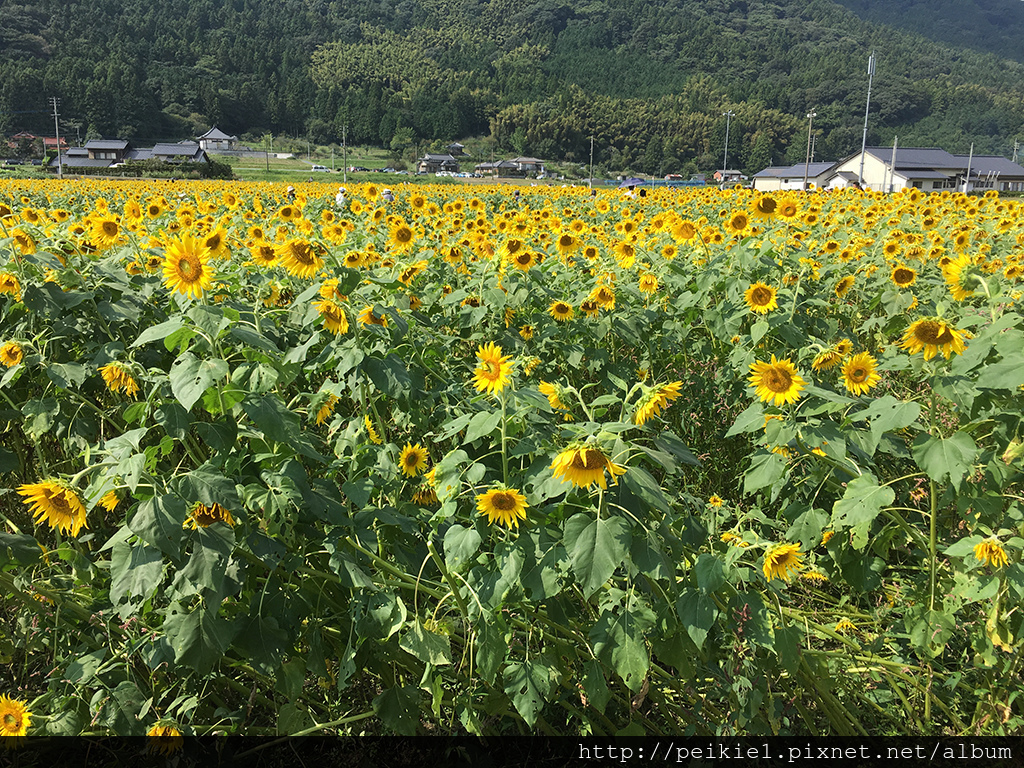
760 296
777 379
503 501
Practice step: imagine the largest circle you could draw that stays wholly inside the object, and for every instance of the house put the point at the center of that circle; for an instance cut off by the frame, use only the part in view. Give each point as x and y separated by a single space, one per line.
431 163
777 178
457 150
215 140
78 157
729 177
528 165
930 169
182 152
114 150
489 168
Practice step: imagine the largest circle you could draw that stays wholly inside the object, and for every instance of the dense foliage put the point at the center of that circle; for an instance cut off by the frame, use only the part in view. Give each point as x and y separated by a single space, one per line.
696 461
648 80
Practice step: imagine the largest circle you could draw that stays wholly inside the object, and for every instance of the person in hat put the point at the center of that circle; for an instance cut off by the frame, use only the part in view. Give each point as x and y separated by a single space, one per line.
340 199
387 196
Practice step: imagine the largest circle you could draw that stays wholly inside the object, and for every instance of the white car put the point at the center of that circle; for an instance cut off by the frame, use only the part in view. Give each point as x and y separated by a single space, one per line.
320 168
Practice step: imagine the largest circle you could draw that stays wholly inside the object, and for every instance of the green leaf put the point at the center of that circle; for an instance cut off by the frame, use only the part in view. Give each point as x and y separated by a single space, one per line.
67 375
765 469
697 613
481 425
292 718
82 669
190 377
358 491
528 684
887 413
491 650
461 546
211 551
398 708
859 507
389 375
595 685
669 442
199 637
807 528
136 570
596 548
710 573
1006 374
757 331
641 484
618 643
208 486
945 458
279 424
158 522
18 548
39 416
429 647
157 332
751 420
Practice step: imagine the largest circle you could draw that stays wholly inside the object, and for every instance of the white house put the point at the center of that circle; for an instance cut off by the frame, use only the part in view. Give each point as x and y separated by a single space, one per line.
929 169
215 139
774 179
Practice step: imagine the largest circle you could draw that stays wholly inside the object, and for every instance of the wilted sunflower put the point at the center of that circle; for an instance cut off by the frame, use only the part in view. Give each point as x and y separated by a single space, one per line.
502 505
110 500
413 459
932 336
326 410
991 552
202 516
562 311
15 718
903 276
165 739
11 353
776 382
56 503
186 266
9 284
860 373
371 432
781 560
584 465
604 296
761 298
733 539
118 379
493 371
333 315
300 258
656 400
369 317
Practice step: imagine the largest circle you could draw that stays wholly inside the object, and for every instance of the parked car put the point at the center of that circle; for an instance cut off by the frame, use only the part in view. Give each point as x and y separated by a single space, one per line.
320 169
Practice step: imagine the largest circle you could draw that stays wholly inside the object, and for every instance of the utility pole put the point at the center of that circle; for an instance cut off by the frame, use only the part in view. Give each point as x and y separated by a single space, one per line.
892 165
970 161
725 159
591 182
56 129
1016 147
807 163
266 156
332 157
864 140
344 149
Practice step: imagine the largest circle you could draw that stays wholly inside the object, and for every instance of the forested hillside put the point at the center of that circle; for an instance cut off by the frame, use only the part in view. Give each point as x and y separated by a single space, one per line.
648 79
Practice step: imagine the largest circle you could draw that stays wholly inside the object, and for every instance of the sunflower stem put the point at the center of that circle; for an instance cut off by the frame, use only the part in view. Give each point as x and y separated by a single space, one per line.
504 437
448 578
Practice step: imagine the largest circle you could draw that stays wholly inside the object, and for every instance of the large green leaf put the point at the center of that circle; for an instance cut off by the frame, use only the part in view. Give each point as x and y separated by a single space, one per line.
158 522
596 548
429 647
945 458
528 684
136 570
199 637
860 505
190 377
398 708
618 643
697 613
765 469
461 545
887 413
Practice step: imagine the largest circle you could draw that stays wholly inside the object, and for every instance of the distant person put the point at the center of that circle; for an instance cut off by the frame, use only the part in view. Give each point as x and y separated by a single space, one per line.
290 192
340 200
387 196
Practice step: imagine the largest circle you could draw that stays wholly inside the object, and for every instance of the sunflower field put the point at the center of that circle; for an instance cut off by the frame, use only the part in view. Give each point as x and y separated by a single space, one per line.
700 462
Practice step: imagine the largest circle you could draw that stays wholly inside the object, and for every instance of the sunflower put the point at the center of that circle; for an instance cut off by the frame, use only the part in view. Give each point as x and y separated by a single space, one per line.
110 500
715 501
118 379
648 284
186 266
561 311
656 400
526 332
590 308
217 242
566 243
263 254
932 335
991 552
764 207
684 231
844 625
780 560
776 382
326 410
738 223
371 432
787 208
9 284
956 277
106 232
903 276
493 371
826 360
401 237
860 373
300 258
761 298
413 459
844 347
584 465
55 503
844 285
522 259
369 317
605 296
502 505
15 718
11 354
165 739
333 315
733 539
553 392
202 516
407 275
